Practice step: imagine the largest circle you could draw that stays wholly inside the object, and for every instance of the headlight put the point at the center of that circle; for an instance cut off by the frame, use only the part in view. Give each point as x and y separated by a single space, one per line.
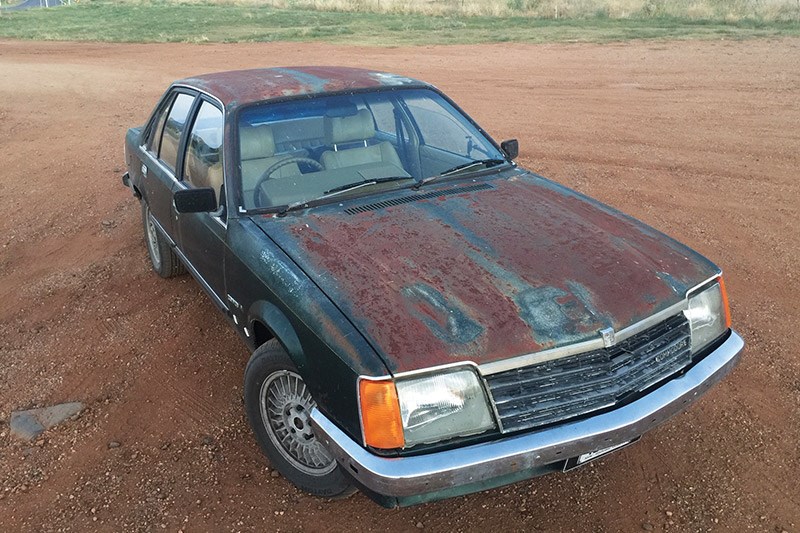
424 409
708 315
440 406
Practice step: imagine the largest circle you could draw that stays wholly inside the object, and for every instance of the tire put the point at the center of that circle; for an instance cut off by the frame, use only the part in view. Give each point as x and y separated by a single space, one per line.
278 406
162 257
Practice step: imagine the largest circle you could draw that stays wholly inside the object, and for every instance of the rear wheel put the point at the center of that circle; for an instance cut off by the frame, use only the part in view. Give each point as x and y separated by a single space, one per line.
162 257
279 405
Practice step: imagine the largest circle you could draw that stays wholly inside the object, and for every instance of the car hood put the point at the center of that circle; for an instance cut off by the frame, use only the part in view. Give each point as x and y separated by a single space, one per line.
485 270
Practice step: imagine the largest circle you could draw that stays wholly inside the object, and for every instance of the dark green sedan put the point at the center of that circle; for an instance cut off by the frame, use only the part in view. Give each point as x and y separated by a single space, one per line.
427 319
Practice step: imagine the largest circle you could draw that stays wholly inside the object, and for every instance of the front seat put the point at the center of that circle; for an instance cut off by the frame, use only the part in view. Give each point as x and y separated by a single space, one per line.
202 173
358 128
257 152
214 177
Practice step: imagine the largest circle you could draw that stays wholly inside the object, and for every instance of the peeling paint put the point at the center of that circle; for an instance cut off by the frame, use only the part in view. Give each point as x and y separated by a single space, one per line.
241 87
443 316
678 286
486 275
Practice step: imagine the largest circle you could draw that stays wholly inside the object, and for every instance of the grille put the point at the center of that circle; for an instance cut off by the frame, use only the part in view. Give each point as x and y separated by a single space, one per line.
554 391
413 198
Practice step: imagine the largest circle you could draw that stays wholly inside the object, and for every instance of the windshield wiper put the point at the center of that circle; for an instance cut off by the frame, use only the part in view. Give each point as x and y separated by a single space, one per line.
341 190
363 183
491 162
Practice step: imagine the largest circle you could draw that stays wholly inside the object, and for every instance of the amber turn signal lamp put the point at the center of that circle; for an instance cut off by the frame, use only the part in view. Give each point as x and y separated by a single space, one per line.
725 304
380 414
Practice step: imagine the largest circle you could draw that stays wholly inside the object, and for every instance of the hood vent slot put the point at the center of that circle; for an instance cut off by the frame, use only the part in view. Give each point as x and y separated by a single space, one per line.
413 198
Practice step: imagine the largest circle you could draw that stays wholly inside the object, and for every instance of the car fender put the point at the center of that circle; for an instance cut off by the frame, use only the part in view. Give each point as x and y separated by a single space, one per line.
279 326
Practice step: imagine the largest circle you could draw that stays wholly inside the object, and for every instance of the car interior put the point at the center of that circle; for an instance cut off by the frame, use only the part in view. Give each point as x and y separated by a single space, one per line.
302 156
203 163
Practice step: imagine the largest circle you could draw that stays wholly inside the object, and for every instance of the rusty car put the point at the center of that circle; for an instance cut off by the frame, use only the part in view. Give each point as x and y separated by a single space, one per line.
426 318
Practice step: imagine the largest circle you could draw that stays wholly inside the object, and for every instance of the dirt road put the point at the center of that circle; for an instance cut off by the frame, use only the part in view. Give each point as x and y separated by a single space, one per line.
699 139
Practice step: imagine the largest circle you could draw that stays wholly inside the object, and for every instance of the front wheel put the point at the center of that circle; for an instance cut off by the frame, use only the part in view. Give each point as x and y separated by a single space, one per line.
279 405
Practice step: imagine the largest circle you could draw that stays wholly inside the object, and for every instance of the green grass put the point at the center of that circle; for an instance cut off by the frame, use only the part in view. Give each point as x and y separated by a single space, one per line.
170 22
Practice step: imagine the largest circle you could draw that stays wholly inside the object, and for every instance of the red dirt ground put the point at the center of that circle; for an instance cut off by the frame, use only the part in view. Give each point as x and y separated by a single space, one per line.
699 139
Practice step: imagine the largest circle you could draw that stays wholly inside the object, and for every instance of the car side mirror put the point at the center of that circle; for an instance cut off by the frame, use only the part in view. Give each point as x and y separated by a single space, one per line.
511 148
201 200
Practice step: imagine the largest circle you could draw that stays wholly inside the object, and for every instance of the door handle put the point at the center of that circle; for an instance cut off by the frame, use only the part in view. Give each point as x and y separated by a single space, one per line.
144 170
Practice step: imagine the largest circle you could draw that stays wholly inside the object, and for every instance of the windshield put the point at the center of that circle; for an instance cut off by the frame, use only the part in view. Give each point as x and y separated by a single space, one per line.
298 151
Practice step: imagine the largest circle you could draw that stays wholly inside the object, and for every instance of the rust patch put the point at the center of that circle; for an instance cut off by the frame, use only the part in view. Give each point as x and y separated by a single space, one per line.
444 317
490 274
241 87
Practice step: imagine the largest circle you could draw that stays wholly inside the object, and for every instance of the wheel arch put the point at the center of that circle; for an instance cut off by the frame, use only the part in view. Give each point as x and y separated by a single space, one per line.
261 333
268 322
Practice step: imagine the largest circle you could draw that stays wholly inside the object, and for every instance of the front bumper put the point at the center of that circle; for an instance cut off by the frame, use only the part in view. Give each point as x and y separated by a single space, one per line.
407 480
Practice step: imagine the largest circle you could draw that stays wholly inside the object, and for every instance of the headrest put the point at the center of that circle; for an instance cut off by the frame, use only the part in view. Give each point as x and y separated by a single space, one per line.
356 127
340 107
256 142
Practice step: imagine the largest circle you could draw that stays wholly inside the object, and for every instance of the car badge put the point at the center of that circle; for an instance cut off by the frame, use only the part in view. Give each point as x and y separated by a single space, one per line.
608 337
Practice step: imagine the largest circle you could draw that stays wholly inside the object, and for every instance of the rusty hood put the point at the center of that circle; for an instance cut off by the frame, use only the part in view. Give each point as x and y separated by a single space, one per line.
483 271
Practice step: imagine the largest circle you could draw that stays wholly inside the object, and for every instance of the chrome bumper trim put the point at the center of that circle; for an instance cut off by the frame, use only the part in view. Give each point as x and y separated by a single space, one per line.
410 476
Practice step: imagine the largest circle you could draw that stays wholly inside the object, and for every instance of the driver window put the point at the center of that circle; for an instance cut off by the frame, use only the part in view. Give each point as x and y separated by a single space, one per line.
439 129
203 163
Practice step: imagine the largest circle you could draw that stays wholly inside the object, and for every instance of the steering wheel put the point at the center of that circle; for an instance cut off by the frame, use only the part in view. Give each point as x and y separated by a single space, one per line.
266 175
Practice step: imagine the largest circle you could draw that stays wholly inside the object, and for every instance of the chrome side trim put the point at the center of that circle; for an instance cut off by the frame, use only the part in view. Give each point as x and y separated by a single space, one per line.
233 300
581 347
203 283
416 475
190 267
163 232
158 163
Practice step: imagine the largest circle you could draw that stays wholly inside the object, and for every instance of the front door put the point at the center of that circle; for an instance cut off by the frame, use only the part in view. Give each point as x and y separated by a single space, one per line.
201 236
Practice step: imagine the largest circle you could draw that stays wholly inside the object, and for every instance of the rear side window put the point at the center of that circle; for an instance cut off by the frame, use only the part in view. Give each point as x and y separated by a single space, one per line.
203 164
154 137
173 128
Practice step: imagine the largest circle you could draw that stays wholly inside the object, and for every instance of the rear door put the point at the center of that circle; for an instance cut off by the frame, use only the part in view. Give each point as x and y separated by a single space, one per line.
201 236
160 161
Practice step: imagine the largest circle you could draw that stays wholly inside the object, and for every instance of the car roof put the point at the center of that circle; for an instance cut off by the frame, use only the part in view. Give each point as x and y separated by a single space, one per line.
240 87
